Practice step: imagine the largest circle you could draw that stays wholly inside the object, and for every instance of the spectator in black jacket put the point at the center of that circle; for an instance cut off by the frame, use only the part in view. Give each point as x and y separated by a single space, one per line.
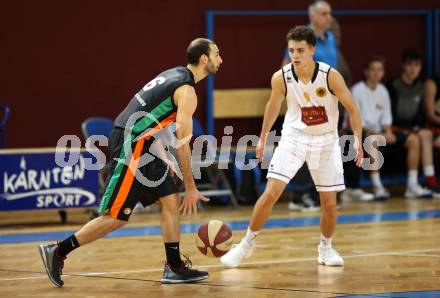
406 92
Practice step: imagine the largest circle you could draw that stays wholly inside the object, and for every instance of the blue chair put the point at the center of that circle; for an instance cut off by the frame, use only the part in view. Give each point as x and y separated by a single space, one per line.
97 126
5 112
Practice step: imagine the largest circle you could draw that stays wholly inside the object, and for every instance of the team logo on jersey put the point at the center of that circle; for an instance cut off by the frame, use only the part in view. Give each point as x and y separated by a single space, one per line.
307 96
321 92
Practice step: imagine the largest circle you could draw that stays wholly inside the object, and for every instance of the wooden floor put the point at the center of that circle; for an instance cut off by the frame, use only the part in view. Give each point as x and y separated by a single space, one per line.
380 257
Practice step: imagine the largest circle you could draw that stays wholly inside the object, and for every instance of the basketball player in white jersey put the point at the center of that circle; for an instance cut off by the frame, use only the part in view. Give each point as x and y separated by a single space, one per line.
309 134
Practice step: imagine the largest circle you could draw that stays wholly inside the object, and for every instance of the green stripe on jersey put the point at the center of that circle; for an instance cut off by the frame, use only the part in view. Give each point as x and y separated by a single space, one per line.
153 117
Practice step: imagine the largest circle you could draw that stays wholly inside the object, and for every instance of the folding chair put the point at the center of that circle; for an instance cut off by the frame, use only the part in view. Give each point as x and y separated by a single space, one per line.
98 126
217 184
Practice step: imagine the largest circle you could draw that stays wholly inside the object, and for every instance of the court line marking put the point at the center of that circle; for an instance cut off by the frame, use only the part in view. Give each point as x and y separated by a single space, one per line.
417 255
231 286
247 287
273 223
85 274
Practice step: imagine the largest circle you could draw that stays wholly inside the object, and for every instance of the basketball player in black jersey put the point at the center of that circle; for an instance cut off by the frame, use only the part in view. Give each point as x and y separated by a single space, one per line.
168 98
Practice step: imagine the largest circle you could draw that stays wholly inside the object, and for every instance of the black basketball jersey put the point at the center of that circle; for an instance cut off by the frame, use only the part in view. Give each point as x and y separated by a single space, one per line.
156 102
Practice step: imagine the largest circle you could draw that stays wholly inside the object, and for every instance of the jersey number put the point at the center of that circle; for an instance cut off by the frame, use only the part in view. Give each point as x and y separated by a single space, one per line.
153 83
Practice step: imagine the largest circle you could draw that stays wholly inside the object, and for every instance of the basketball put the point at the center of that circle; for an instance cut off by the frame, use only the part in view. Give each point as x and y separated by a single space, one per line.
214 238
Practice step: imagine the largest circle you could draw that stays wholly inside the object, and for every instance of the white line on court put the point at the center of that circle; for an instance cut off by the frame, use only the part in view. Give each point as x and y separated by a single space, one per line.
415 253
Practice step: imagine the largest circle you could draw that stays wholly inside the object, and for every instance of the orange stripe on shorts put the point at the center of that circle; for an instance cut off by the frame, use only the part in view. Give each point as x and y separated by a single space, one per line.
128 180
133 165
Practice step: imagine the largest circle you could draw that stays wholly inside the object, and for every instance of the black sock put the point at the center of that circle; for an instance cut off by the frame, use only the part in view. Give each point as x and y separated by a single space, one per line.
67 245
173 254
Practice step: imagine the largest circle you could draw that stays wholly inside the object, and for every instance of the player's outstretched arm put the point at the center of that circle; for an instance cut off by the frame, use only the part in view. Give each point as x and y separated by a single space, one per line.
339 88
272 110
186 100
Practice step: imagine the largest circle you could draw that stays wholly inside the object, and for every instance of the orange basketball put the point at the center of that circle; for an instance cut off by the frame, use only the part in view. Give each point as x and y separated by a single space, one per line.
214 239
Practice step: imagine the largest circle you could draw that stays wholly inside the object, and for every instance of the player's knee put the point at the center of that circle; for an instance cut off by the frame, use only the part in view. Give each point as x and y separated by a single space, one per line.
170 208
271 196
114 223
328 204
413 142
170 204
119 224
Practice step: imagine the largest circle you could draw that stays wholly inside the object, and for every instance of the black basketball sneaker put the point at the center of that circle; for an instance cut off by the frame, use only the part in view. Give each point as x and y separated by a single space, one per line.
52 262
183 274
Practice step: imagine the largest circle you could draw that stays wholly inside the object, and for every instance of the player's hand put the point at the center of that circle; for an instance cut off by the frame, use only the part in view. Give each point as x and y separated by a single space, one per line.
390 137
259 151
189 202
359 158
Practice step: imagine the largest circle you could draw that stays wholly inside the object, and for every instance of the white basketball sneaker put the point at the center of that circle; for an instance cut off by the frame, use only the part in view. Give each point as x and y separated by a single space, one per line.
329 257
237 254
417 191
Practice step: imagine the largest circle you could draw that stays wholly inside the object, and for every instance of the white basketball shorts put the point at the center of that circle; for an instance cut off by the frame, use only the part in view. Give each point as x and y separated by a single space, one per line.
321 153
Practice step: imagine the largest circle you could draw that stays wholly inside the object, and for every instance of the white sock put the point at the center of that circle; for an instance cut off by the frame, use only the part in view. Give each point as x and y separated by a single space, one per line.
326 242
250 236
412 178
428 171
375 178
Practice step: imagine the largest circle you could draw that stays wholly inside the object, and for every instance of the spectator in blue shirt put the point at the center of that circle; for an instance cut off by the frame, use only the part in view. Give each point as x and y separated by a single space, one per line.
320 16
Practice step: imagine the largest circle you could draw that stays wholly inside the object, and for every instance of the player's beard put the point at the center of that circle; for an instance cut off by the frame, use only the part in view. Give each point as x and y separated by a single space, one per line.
211 68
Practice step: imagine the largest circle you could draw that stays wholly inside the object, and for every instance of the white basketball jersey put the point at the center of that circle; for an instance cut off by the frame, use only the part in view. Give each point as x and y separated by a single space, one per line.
312 107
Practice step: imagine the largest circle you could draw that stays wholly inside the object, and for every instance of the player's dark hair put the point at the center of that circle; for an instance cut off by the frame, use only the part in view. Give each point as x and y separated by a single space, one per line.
375 58
300 33
197 48
410 55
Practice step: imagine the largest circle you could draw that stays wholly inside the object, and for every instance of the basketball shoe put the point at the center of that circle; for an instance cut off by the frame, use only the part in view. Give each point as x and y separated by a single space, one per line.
183 274
237 254
417 191
329 257
53 263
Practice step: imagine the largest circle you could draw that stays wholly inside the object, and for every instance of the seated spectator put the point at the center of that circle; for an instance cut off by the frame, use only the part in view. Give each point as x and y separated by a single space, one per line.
374 103
352 173
406 91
